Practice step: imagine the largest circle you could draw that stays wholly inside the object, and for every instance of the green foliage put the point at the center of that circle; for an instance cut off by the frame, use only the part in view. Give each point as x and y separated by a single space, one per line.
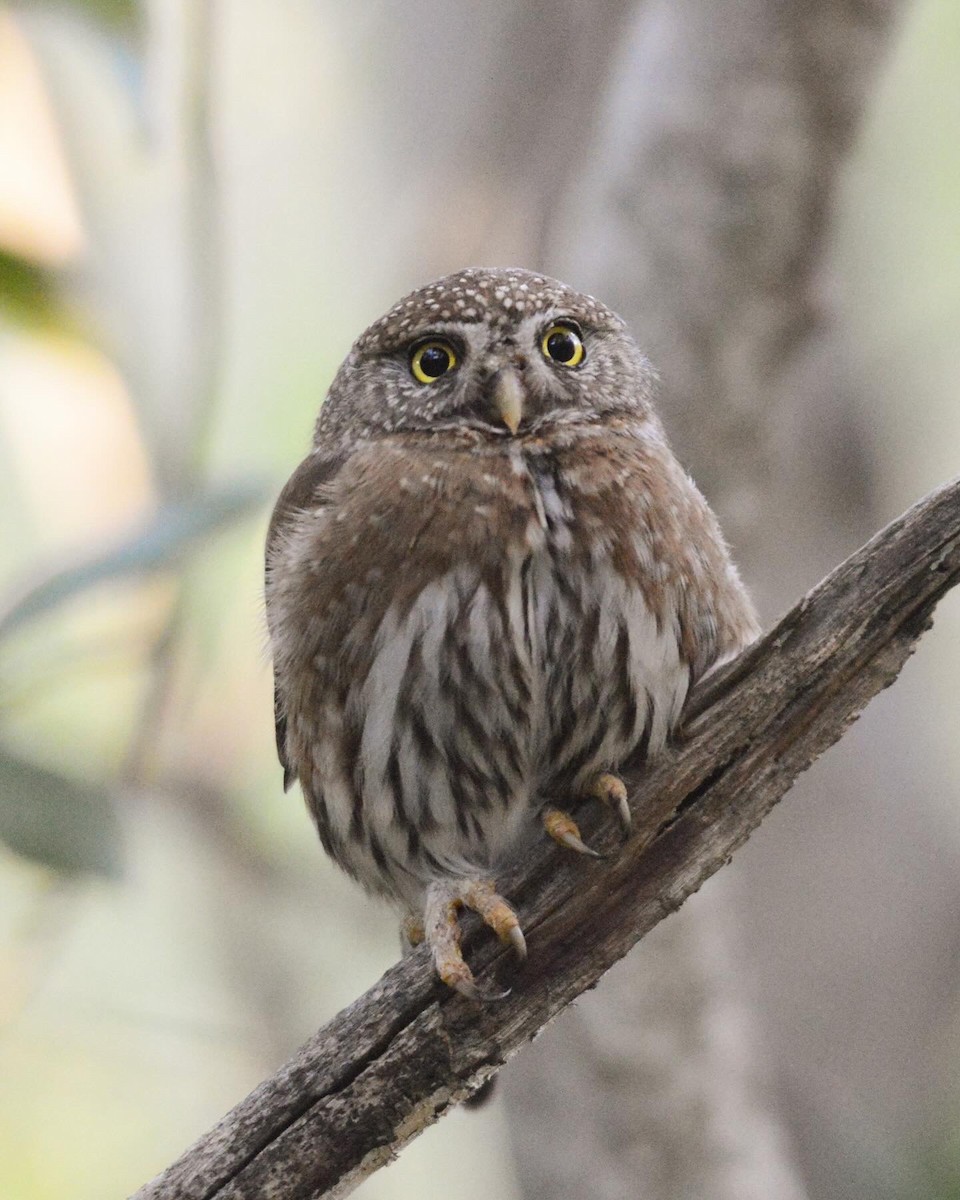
163 542
120 15
28 294
65 825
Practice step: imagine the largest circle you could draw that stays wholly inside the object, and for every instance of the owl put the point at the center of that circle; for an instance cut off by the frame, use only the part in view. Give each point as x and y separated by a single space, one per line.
489 585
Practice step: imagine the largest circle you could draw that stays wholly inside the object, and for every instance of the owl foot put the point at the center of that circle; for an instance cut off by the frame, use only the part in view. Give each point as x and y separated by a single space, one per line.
441 930
611 791
411 934
563 829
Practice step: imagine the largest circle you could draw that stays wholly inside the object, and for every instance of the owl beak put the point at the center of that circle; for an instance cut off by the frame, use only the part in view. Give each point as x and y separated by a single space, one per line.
508 398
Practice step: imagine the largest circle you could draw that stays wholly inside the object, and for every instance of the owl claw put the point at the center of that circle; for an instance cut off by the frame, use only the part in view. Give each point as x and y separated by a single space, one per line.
411 934
612 791
472 991
574 843
563 829
518 942
442 931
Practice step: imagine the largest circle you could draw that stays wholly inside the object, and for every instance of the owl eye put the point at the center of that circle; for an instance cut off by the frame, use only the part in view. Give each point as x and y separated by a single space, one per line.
431 359
562 344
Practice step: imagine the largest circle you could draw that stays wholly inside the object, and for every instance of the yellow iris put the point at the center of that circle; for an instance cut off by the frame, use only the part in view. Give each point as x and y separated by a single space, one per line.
562 344
432 359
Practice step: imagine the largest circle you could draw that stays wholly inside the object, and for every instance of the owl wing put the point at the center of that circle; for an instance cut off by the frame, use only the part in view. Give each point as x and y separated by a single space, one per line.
303 490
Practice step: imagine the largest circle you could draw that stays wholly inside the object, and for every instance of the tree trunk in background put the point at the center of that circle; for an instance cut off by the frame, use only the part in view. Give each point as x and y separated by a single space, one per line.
649 1088
701 216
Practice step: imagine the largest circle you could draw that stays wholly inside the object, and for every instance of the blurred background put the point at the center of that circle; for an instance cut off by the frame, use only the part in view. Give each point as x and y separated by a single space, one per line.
201 205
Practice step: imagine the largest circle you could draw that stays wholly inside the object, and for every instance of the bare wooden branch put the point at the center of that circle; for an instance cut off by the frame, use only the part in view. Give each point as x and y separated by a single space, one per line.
396 1059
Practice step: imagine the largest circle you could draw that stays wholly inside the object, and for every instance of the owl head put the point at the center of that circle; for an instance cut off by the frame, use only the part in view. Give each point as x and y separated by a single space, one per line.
505 352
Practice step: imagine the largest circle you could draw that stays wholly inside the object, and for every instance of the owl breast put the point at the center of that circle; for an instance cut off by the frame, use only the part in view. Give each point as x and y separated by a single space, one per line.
528 664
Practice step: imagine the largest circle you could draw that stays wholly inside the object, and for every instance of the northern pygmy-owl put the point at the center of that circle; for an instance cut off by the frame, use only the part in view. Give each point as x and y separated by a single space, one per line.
489 585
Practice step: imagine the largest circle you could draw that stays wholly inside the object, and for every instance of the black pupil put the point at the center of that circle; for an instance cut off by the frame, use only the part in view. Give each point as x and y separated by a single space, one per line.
434 361
562 345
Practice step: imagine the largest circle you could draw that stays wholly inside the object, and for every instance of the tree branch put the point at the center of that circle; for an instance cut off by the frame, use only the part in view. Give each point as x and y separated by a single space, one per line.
396 1059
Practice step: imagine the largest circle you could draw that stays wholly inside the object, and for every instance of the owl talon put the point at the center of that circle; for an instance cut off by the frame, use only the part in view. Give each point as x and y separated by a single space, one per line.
411 934
572 842
472 991
518 942
612 791
563 829
442 931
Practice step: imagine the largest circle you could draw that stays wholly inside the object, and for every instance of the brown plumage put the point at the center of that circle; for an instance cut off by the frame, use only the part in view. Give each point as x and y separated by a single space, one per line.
488 586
